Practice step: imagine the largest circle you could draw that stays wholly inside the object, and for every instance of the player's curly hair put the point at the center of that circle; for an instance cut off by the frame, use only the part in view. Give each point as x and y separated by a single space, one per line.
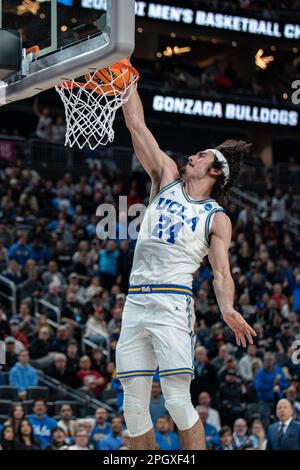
234 151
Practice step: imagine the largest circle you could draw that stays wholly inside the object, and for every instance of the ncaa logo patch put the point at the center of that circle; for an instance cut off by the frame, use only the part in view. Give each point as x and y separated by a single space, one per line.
208 206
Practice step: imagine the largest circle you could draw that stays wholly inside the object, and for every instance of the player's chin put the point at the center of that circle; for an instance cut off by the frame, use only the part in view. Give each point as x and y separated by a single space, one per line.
183 171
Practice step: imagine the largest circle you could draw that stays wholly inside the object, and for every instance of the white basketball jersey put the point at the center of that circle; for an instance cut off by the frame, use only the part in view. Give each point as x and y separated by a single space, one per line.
174 237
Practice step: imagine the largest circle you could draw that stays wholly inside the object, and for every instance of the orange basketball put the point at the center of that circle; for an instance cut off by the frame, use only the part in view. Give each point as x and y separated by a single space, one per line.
115 77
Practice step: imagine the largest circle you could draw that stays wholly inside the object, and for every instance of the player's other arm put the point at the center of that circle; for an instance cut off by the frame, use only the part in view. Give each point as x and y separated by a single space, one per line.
159 166
223 282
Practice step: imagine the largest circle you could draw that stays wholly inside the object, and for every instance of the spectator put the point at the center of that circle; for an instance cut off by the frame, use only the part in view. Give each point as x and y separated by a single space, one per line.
61 341
292 396
44 122
270 380
157 403
62 257
232 396
40 252
258 435
86 423
205 376
74 285
22 375
201 303
41 343
26 440
99 361
293 323
289 366
40 349
11 345
284 435
226 439
81 440
16 332
230 364
278 208
20 251
53 297
66 422
41 423
72 313
58 439
112 441
165 438
72 356
62 203
92 381
58 130
213 415
32 287
223 354
102 427
27 322
8 439
284 339
240 436
60 372
16 415
14 272
108 264
96 328
114 325
212 438
245 363
53 275
93 289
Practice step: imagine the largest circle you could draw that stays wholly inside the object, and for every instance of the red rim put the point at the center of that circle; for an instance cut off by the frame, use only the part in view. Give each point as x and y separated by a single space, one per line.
119 65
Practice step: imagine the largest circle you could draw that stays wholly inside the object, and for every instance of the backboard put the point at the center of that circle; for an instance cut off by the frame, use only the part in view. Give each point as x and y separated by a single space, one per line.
72 40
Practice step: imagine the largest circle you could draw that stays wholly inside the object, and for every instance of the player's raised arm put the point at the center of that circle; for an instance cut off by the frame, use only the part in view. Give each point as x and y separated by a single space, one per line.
159 166
223 282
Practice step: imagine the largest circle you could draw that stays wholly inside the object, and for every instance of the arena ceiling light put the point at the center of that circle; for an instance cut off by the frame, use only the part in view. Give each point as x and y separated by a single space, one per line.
169 51
262 61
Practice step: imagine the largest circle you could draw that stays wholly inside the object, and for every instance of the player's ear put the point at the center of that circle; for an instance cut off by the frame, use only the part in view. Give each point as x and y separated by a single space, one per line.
215 171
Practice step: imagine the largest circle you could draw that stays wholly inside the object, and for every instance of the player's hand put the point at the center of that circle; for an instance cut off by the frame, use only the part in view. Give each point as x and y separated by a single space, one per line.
239 326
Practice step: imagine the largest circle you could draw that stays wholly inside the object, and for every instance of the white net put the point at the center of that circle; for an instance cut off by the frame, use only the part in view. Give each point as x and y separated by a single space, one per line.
91 107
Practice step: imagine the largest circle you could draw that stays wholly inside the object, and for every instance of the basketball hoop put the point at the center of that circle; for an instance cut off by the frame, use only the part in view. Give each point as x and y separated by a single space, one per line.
91 106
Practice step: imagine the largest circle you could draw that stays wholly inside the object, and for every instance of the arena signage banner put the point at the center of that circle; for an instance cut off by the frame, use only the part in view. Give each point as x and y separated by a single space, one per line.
208 19
221 110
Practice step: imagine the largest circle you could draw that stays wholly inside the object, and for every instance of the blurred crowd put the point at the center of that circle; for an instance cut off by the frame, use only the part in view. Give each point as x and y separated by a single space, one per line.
221 78
71 287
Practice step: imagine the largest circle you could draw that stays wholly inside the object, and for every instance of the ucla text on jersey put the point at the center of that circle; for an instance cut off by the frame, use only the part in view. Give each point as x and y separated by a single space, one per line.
174 238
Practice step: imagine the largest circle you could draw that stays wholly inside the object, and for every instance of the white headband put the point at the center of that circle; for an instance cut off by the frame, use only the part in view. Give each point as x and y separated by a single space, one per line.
225 167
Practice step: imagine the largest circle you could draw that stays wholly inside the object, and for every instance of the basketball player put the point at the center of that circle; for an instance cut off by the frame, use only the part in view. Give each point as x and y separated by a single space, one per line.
183 223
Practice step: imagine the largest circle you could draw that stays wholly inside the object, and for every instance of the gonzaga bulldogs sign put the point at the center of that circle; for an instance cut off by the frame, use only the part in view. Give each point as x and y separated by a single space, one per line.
221 110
